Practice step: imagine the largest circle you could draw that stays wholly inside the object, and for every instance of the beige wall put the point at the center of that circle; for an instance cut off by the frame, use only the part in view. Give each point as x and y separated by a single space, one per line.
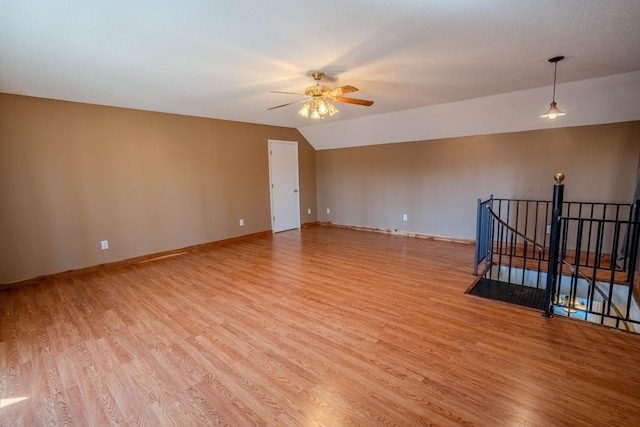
73 174
438 182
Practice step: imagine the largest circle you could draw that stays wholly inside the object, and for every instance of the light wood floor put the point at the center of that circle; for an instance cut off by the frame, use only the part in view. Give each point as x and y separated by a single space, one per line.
320 326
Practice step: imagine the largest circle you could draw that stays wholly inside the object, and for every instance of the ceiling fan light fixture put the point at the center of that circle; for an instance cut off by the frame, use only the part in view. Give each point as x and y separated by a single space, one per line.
553 110
319 99
304 111
332 109
321 106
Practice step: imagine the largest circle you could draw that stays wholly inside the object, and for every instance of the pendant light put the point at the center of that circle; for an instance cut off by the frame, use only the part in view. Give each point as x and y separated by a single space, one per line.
553 110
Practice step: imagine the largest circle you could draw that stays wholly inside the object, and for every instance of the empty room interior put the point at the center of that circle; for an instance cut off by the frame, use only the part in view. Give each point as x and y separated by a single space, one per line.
320 214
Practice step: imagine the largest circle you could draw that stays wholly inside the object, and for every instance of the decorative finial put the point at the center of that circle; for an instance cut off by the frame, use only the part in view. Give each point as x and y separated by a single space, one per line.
559 177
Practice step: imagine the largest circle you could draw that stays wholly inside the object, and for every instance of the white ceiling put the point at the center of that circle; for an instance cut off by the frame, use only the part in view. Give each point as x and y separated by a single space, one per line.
220 59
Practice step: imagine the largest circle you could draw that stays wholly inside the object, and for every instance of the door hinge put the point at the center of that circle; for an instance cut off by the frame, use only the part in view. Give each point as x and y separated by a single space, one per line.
274 218
271 152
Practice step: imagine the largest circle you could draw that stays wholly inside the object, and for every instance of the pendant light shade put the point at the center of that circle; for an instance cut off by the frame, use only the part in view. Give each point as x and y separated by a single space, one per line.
553 110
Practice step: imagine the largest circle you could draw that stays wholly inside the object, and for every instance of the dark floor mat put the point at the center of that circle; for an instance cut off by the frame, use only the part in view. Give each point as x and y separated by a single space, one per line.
508 292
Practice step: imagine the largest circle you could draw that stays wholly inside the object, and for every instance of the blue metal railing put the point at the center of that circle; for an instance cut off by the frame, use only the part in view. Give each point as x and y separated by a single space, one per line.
483 233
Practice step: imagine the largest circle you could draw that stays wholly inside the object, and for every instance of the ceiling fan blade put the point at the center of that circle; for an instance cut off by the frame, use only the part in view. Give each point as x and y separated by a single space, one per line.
288 93
284 105
354 101
342 89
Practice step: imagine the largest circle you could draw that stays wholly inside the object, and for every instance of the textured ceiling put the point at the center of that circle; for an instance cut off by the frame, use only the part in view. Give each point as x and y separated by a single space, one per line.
220 59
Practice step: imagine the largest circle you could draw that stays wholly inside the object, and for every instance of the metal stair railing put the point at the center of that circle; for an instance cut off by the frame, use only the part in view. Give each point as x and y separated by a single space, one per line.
574 270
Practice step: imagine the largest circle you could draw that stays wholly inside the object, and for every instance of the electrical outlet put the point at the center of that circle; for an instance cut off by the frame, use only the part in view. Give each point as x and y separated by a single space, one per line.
328 210
549 229
241 222
309 211
104 244
405 217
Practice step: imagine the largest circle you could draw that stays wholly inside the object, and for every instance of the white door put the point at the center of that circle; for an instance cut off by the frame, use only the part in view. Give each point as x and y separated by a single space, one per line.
283 180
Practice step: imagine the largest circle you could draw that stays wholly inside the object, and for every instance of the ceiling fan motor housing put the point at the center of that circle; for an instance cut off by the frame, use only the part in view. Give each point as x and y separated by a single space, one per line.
317 90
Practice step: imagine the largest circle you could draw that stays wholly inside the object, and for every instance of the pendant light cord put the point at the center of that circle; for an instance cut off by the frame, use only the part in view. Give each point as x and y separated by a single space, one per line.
555 71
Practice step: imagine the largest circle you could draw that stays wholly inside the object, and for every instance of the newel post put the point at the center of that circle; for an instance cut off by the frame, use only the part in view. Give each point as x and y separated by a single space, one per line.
554 244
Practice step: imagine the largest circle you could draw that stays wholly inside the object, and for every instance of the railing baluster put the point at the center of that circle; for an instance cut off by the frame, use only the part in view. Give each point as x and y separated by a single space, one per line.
578 250
633 254
546 222
612 279
535 239
562 256
590 234
525 246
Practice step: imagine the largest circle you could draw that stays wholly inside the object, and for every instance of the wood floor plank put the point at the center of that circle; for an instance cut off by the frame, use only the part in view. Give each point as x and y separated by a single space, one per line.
315 327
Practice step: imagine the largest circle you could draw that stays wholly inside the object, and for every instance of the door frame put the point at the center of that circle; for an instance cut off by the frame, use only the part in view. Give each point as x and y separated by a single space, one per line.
297 183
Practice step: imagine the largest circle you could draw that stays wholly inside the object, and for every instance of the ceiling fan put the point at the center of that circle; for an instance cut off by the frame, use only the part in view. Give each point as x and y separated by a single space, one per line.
319 99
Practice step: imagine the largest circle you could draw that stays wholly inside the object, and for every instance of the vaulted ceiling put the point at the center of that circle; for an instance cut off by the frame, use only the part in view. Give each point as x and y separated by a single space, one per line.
221 59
